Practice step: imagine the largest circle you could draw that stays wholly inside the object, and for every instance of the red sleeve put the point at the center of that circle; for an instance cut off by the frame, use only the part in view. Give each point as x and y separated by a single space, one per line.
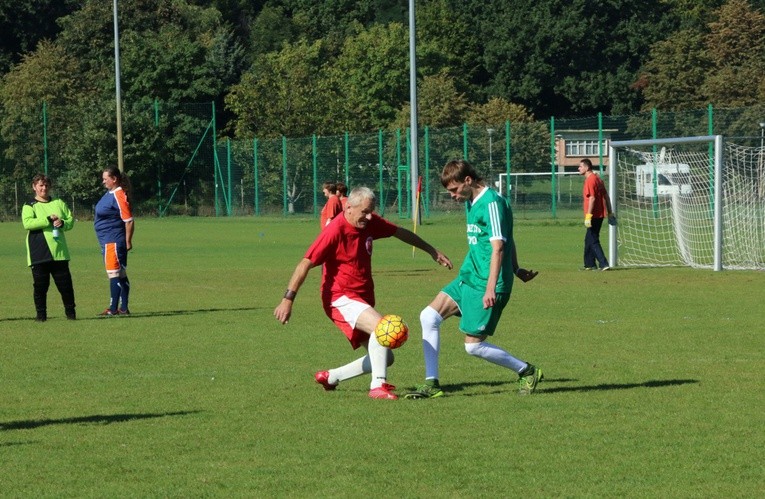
381 228
323 246
588 187
335 207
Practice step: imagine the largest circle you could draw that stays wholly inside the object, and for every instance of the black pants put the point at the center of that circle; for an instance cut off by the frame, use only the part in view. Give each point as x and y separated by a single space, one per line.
41 273
592 249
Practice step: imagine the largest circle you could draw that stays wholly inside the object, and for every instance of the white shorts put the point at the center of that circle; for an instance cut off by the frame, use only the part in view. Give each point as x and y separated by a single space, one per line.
345 312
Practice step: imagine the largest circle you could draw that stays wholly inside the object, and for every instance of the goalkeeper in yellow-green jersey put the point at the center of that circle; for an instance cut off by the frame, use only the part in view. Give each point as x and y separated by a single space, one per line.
46 219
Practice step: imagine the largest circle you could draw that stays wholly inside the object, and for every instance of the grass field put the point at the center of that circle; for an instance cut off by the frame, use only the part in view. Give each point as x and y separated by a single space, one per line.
654 377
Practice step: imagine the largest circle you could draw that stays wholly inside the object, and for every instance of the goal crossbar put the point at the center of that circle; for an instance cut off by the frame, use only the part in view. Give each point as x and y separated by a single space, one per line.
717 141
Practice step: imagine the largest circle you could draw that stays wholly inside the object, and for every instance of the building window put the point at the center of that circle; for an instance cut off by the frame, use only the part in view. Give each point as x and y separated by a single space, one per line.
583 147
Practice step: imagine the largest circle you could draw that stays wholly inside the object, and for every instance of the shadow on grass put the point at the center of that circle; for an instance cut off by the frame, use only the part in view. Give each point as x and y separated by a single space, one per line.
96 419
544 387
10 444
172 313
659 383
405 272
166 313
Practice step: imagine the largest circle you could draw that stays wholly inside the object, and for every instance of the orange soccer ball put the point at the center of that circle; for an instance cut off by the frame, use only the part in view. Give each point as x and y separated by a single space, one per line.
391 331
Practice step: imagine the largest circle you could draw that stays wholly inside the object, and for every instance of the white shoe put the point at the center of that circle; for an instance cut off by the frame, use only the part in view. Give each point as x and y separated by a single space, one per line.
605 268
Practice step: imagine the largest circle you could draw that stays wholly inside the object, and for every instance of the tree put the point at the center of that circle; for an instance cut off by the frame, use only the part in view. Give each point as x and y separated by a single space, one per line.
693 14
170 50
372 75
270 30
447 43
577 57
529 138
496 111
22 94
239 14
334 20
25 23
673 76
283 93
440 104
736 47
721 63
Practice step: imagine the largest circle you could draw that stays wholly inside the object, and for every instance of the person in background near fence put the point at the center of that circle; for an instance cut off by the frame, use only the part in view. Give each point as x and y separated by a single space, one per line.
342 194
344 248
482 289
114 229
46 219
332 207
597 206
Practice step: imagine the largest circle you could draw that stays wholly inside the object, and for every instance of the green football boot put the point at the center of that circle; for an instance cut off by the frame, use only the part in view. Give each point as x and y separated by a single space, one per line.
529 379
427 390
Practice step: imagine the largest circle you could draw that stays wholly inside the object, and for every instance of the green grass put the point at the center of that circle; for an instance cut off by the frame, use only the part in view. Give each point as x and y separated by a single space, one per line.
653 377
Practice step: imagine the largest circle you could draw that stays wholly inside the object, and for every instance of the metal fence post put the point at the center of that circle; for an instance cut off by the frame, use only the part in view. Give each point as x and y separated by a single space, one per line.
553 183
284 175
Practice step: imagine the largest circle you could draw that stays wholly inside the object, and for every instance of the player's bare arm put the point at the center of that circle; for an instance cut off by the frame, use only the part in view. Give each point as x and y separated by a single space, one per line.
129 228
495 264
609 209
410 237
521 273
284 310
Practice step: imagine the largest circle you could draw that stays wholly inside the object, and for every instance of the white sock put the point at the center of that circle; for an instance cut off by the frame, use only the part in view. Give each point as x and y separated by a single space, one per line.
430 320
358 367
495 355
351 370
378 359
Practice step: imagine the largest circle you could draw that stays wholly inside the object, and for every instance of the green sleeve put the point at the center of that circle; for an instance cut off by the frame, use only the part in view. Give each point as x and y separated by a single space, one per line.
30 220
66 216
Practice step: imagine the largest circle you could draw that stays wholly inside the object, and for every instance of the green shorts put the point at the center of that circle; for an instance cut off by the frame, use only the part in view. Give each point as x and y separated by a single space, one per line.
474 319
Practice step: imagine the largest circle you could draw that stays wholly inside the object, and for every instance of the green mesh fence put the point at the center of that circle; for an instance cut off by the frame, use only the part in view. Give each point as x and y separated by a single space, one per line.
180 165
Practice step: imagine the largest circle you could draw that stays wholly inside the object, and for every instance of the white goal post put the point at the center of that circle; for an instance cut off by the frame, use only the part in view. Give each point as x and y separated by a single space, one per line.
667 195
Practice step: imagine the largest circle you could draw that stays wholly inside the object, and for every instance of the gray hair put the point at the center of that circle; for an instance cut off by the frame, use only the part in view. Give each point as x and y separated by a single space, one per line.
360 194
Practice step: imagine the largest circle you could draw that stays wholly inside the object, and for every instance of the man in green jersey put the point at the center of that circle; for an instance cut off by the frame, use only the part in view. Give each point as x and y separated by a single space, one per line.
482 289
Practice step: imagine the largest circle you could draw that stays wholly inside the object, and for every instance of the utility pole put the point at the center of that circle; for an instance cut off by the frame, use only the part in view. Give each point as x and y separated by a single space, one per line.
120 161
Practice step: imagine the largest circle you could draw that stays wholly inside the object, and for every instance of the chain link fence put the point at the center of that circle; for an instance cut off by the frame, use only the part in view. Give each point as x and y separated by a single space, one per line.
179 165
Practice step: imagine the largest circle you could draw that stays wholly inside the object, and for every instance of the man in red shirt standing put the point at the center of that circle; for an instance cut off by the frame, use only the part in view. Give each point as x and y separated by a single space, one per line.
344 249
342 193
597 206
332 207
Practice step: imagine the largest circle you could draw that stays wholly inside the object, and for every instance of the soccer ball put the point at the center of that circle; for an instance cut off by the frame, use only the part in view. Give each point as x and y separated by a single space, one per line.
391 331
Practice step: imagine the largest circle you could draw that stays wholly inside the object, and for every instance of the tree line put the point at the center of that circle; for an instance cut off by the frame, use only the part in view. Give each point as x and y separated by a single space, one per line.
300 67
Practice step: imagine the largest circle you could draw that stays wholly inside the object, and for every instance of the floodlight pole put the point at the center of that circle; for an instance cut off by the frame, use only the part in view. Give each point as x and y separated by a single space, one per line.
490 131
413 169
120 161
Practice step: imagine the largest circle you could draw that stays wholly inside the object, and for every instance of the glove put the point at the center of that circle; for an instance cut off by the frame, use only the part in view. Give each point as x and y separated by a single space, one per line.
611 219
588 220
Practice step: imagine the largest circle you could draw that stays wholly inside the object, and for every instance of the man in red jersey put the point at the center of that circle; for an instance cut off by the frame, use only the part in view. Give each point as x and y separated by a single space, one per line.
597 206
344 248
332 207
342 193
